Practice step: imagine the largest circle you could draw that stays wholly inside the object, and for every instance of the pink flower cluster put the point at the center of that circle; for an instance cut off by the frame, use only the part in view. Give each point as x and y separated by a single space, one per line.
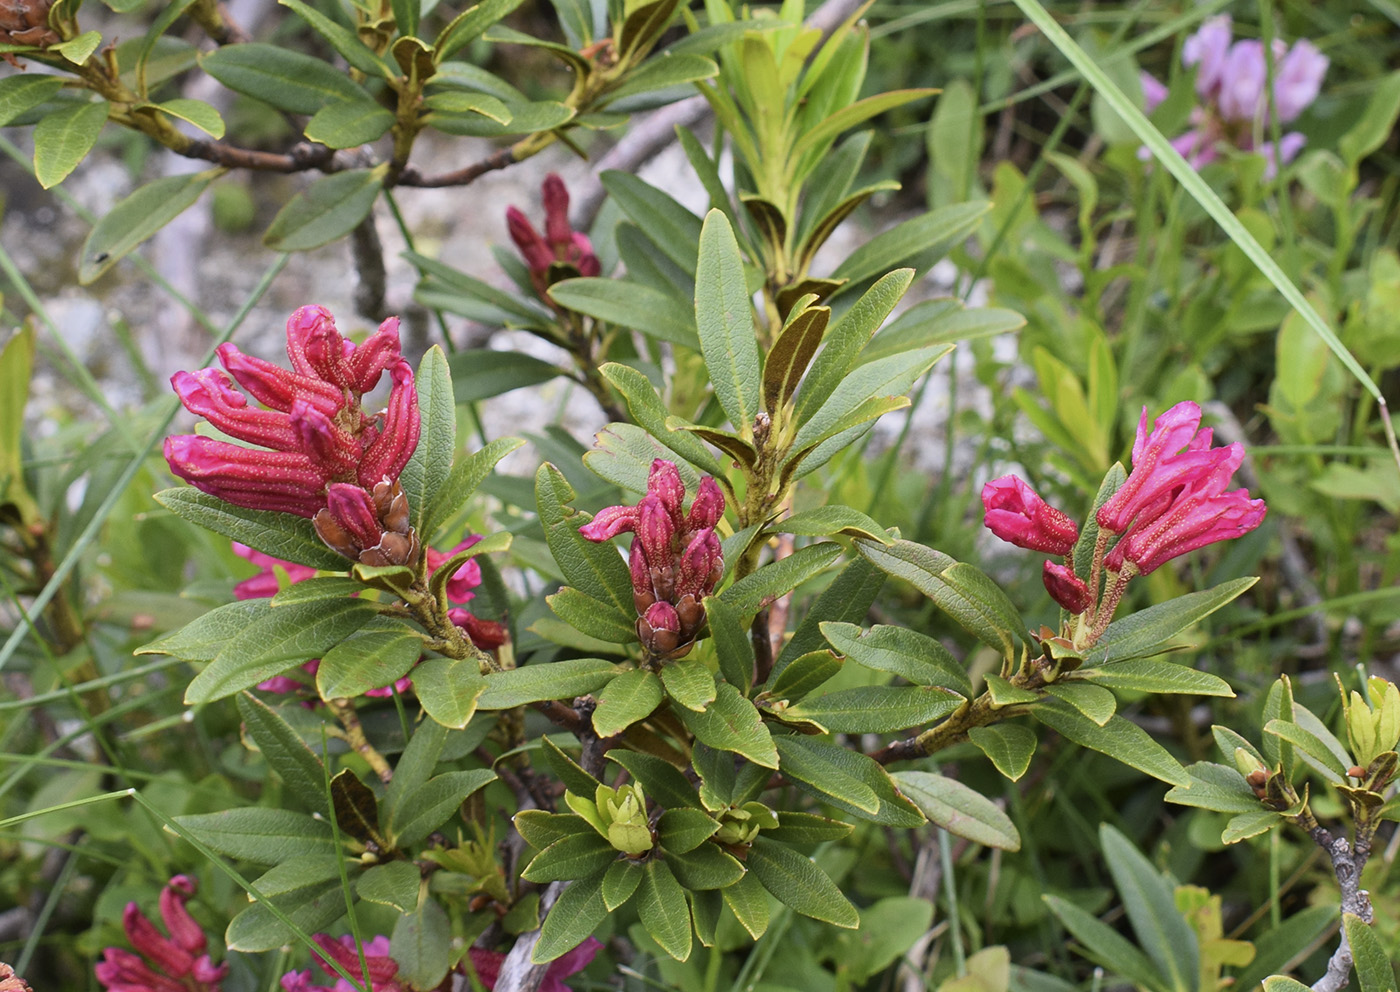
487 965
320 456
561 244
1173 501
675 558
177 963
1232 83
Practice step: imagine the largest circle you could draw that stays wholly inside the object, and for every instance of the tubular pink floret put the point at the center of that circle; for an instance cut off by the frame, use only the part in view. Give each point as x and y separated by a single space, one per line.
316 348
655 530
1066 588
275 387
330 448
382 968
1195 520
121 971
1016 514
664 482
536 253
610 522
174 960
708 506
211 395
182 928
353 509
700 565
390 451
556 211
380 352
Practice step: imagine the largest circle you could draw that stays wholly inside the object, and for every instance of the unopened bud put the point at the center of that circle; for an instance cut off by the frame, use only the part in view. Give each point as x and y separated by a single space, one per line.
664 482
1066 588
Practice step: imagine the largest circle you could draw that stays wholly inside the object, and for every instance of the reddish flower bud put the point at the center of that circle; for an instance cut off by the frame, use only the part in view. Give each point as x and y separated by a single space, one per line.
560 243
556 210
391 450
181 926
656 531
536 253
485 634
610 522
701 565
1017 515
664 482
643 594
708 506
659 628
173 964
1066 588
380 353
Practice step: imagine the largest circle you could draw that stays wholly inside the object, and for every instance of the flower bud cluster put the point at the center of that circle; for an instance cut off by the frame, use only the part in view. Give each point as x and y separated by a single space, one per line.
619 815
318 454
1172 502
1373 728
1232 84
383 969
561 244
174 963
740 825
675 558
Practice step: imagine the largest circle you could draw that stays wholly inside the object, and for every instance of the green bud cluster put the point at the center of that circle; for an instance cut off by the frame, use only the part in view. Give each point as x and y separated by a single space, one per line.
1373 727
741 824
619 815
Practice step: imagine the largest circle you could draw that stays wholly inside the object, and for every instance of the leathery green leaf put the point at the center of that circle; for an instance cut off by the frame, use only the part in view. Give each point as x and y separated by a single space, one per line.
800 884
724 319
960 810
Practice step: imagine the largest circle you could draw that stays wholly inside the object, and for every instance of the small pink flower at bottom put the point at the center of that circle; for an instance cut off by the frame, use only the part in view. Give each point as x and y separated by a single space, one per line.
487 965
383 969
177 963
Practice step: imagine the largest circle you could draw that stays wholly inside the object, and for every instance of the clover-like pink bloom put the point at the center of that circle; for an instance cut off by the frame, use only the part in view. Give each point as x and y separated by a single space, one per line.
1174 500
313 444
174 963
675 559
487 965
561 245
1016 514
383 969
1232 84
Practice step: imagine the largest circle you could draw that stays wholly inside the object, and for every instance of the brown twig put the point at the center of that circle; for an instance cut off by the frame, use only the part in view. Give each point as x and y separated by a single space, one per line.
344 710
1347 864
460 177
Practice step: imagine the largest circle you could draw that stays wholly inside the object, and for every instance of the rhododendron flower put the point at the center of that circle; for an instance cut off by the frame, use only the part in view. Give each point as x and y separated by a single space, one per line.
675 558
383 969
318 454
174 963
1232 84
561 244
487 965
1017 515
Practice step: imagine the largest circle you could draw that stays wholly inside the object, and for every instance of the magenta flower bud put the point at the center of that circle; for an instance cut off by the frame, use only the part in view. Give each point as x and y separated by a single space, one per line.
664 482
390 451
1156 469
532 247
208 973
643 593
181 926
555 195
701 564
1192 522
209 394
381 967
707 507
218 467
166 955
1066 588
380 352
656 531
122 971
275 387
353 509
331 449
316 348
485 634
1017 515
581 253
659 628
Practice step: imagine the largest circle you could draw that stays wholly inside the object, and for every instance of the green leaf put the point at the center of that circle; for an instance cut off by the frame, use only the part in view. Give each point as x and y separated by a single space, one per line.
810 763
375 656
800 884
469 25
344 40
598 620
748 901
428 806
468 472
1277 946
807 828
281 535
448 690
689 683
1310 748
824 521
415 765
577 914
422 945
620 882
1009 746
731 723
876 709
1156 676
960 810
63 138
22 93
1369 133
845 340
733 646
926 236
630 304
393 884
661 780
707 867
1243 826
683 830
851 115
791 354
137 217
571 856
458 102
895 809
907 653
283 77
540 829
1095 702
356 808
262 836
302 773
281 639
78 50
325 211
1282 983
943 321
846 599
481 374
535 683
754 591
662 907
1147 632
595 569
994 610
488 120
1215 787
202 639
674 230
650 414
567 770
1106 946
724 320
1003 693
662 71
1151 907
349 123
804 675
194 112
306 889
1118 738
625 700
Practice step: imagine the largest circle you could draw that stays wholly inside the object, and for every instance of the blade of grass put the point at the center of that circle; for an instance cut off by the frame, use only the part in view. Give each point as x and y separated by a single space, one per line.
1172 161
99 518
41 922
